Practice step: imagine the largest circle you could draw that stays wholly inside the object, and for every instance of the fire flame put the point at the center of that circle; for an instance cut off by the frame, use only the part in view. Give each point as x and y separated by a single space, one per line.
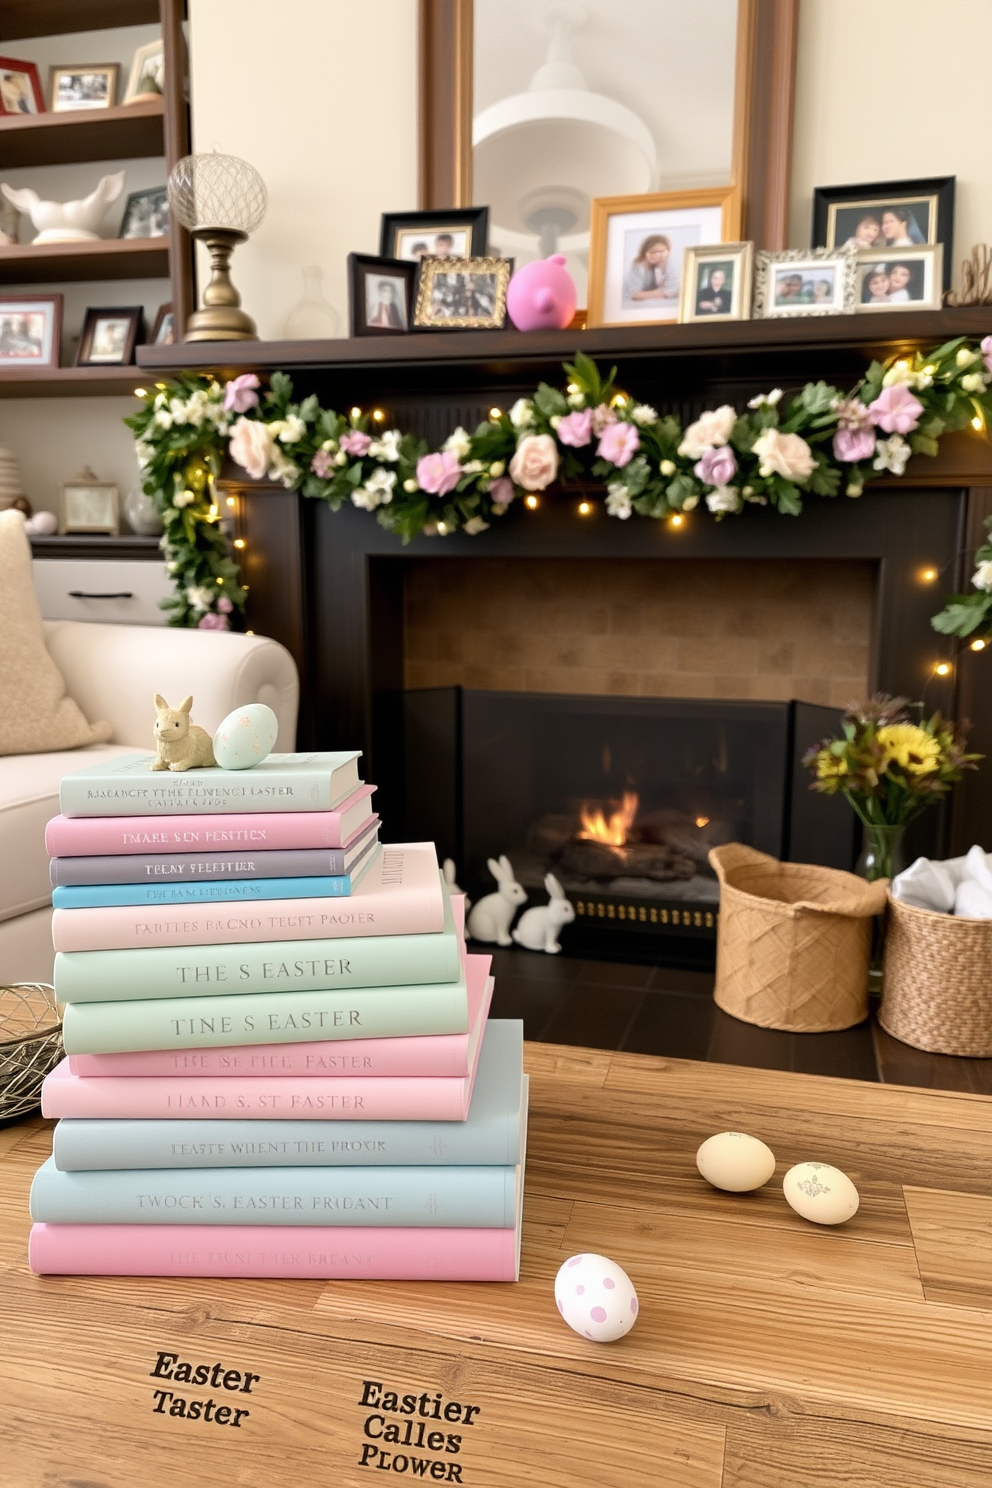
596 828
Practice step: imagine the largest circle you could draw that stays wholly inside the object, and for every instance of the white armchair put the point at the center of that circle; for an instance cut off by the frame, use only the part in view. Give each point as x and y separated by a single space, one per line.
111 671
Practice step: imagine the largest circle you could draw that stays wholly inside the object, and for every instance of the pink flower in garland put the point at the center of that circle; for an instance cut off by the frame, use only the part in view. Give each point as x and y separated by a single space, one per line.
896 410
717 467
213 622
576 428
602 415
618 443
240 394
225 605
501 491
438 473
355 443
851 445
322 463
986 349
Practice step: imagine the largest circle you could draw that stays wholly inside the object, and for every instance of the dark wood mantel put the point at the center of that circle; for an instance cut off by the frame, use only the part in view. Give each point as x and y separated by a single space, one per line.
330 586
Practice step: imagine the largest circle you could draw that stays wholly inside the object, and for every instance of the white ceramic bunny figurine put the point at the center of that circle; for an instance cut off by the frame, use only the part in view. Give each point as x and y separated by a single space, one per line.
180 745
450 876
492 917
538 927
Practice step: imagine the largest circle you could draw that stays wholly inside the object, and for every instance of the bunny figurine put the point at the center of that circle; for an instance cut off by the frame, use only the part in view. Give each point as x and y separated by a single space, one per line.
492 916
450 881
538 927
181 745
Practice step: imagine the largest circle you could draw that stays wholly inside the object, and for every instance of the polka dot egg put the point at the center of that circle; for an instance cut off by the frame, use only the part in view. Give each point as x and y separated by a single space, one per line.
596 1298
245 737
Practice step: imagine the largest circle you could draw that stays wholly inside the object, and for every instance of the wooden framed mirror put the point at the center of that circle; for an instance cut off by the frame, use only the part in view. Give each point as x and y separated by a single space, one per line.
760 120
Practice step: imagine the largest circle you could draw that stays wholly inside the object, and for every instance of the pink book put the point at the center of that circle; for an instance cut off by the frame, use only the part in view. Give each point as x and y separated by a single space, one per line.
399 895
261 1097
336 1254
443 1056
85 836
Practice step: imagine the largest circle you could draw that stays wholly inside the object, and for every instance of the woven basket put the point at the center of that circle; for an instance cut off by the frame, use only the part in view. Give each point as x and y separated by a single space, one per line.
937 981
794 941
30 1045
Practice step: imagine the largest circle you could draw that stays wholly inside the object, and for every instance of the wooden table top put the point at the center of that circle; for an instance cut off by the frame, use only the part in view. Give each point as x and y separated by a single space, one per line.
769 1353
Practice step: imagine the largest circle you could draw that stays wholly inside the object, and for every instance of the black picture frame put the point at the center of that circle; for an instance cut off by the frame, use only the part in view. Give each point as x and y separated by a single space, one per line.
365 266
163 332
471 220
111 356
152 203
829 202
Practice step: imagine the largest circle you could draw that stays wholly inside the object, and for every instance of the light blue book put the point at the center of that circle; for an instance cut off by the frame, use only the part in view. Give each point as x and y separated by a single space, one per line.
492 1134
127 786
100 896
454 1197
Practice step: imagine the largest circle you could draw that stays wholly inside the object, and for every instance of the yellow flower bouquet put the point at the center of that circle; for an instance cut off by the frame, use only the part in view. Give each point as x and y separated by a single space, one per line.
890 769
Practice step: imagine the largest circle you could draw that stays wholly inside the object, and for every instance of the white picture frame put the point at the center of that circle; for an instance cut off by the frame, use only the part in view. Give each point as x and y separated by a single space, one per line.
803 282
914 276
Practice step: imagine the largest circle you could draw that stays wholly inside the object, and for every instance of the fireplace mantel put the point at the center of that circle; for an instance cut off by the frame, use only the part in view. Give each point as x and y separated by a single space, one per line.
330 586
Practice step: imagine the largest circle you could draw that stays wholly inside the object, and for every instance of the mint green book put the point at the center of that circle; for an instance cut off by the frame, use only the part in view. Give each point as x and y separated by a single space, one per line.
127 786
156 972
279 1017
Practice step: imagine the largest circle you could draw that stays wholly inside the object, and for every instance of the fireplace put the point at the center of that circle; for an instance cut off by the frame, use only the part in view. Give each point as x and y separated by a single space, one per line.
620 798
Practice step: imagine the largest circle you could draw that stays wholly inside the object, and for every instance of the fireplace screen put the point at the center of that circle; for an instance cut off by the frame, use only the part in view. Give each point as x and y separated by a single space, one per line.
621 798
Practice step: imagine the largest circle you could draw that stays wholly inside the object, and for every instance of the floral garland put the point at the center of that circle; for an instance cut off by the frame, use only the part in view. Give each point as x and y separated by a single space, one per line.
821 443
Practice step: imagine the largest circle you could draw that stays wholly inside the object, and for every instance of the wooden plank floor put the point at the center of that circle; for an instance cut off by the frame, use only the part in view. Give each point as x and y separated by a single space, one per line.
768 1353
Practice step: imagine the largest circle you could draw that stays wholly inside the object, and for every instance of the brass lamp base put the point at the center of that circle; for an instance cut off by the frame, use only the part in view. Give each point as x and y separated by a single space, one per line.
221 318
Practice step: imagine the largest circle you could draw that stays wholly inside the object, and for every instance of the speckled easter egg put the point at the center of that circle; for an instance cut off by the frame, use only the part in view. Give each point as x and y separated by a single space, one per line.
596 1297
820 1193
735 1162
245 737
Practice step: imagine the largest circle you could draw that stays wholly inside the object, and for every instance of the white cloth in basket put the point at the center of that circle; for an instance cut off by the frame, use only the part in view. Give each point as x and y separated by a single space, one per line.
961 886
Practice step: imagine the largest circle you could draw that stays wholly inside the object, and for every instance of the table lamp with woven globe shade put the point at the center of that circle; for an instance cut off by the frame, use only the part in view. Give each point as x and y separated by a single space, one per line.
220 199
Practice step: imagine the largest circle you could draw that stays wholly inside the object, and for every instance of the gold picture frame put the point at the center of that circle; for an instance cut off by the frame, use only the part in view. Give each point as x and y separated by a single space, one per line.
449 299
82 88
621 224
736 262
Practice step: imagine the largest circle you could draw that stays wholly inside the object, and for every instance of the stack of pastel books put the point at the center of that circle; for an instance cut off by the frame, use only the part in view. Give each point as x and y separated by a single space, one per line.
279 1060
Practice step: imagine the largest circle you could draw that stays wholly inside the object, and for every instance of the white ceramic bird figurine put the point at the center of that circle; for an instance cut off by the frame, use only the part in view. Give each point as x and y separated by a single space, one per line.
67 222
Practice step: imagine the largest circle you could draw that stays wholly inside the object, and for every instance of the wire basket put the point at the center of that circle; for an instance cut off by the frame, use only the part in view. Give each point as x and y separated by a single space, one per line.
30 1045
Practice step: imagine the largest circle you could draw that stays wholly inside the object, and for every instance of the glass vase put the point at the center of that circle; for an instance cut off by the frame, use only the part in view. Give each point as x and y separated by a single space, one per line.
313 317
881 852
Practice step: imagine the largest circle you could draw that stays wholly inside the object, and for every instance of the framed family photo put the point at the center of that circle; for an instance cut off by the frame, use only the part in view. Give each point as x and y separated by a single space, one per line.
637 245
110 336
716 282
459 233
146 214
164 328
906 279
20 87
805 281
30 330
462 294
380 293
91 85
147 76
887 214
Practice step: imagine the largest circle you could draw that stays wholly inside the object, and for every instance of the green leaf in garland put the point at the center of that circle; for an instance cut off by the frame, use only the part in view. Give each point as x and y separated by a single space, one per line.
922 444
786 497
825 480
550 401
963 614
281 387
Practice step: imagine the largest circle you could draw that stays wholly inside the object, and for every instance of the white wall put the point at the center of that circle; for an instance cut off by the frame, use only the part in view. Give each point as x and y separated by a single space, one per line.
53 438
321 97
885 95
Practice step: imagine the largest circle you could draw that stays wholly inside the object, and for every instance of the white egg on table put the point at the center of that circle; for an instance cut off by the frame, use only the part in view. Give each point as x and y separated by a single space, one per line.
735 1162
245 737
596 1297
820 1193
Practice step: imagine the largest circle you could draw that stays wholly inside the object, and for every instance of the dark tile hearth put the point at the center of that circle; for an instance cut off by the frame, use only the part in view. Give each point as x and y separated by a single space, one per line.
669 1011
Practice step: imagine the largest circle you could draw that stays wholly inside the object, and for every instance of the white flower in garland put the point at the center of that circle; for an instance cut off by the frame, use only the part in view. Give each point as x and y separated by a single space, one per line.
145 453
522 414
162 419
982 577
892 454
765 400
711 430
377 490
282 468
723 499
475 525
459 443
618 501
289 430
199 597
387 447
974 382
903 375
643 415
183 498
574 400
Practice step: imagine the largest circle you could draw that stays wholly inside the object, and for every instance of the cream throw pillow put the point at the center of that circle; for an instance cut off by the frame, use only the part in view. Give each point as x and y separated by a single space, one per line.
35 714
